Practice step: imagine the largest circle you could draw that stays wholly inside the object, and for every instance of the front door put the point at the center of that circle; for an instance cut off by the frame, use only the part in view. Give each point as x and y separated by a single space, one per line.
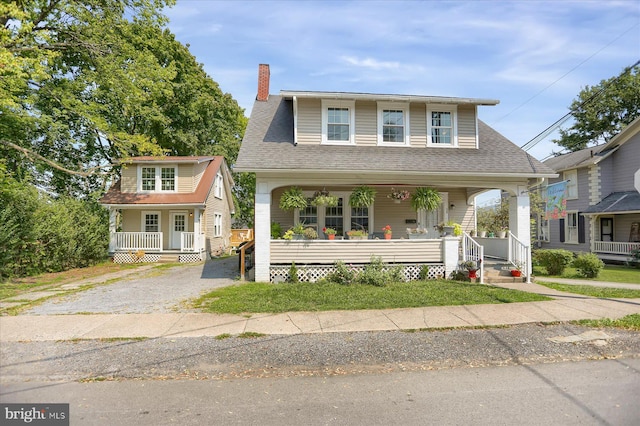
606 229
178 226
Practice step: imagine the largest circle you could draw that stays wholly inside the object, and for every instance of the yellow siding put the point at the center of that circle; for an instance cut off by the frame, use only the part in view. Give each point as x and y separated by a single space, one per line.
185 178
327 252
461 213
366 123
198 171
217 245
129 180
309 121
418 124
466 126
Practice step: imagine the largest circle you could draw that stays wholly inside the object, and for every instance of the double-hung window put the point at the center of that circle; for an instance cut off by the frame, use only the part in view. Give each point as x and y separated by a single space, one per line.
218 186
441 126
571 176
217 225
157 178
393 124
338 122
150 221
571 228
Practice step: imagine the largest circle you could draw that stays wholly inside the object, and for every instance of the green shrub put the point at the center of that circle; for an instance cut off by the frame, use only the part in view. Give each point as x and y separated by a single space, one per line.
554 260
424 272
341 274
588 265
293 273
634 259
378 274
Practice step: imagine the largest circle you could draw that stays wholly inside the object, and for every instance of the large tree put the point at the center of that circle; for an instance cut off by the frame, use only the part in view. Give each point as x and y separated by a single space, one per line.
603 110
84 83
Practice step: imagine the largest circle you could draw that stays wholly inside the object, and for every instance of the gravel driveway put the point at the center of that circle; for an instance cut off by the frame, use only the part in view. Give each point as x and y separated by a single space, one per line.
158 291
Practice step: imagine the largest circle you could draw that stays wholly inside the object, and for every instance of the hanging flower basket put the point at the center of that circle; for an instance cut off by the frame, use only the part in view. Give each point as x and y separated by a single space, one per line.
425 199
323 198
399 195
362 196
292 199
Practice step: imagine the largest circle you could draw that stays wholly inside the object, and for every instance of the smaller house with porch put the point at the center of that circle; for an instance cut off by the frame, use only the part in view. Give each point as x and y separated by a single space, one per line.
602 203
339 144
176 208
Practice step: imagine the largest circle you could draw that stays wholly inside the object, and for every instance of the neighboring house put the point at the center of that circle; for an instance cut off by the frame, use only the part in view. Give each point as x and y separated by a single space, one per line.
336 141
176 207
603 207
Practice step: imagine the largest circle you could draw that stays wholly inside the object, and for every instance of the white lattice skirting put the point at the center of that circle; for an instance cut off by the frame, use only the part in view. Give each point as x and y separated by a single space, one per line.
313 273
134 258
190 258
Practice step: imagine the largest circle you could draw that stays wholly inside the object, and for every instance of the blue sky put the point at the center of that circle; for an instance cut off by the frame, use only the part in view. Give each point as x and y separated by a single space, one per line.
532 56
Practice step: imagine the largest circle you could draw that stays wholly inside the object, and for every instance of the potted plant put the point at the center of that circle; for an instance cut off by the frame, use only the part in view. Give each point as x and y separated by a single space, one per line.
387 232
323 198
296 232
502 233
517 270
399 195
482 233
425 199
417 233
358 234
292 199
331 233
450 228
362 196
309 233
472 267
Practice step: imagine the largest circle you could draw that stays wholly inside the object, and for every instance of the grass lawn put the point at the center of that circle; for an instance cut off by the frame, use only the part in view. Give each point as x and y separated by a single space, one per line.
264 297
630 322
611 273
16 286
593 291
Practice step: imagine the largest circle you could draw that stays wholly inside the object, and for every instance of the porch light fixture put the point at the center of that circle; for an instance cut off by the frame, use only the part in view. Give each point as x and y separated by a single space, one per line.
452 206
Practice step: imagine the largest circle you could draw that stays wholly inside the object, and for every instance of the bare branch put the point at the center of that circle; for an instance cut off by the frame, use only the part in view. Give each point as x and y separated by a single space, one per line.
32 155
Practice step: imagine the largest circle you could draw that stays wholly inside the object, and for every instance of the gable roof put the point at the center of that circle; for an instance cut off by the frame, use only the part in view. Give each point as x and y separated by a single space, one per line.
114 196
268 146
593 155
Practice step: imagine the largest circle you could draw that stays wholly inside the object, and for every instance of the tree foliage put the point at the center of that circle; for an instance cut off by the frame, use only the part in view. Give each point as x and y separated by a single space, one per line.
602 111
84 83
41 234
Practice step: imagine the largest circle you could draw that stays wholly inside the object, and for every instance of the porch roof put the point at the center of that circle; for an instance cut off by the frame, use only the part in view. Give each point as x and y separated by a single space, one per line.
115 196
268 146
617 202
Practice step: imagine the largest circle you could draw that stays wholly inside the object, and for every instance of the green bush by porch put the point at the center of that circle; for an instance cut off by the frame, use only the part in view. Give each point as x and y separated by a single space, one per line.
274 298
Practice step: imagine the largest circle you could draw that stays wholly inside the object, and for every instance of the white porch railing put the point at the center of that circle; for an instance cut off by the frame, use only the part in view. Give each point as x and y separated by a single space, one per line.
187 241
615 247
471 250
151 241
520 255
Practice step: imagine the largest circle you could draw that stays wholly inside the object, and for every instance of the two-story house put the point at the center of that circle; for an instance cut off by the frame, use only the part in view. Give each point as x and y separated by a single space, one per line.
176 207
337 141
603 206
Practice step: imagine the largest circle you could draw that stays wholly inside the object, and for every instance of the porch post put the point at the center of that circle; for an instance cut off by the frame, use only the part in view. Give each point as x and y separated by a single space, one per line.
520 222
113 213
262 231
196 230
450 254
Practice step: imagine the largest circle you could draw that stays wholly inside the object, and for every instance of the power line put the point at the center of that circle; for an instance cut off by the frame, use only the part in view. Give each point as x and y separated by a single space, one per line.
542 135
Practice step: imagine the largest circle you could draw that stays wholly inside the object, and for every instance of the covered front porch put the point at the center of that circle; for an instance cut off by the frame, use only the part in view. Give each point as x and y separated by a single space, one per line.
145 235
416 240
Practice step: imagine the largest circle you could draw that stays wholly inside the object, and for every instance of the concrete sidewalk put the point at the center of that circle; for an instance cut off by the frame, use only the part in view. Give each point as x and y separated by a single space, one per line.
67 327
571 281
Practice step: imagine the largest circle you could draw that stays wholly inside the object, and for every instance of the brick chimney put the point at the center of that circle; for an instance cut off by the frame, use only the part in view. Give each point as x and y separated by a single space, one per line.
263 82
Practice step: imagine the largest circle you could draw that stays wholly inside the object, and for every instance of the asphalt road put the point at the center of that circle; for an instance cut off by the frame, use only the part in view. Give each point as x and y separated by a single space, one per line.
568 393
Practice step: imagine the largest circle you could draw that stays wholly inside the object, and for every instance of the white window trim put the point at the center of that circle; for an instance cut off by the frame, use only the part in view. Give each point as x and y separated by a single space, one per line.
217 217
404 107
346 212
572 177
566 228
218 186
326 104
453 109
143 215
158 177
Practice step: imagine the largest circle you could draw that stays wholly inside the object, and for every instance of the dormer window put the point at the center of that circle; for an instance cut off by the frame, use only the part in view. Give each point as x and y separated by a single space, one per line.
338 119
393 124
441 126
157 178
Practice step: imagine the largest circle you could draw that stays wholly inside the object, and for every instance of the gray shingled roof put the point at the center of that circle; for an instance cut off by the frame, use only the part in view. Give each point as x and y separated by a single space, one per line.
268 145
617 202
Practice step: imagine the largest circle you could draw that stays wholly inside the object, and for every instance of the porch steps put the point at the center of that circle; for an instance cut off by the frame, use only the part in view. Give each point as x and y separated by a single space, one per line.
169 258
499 272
